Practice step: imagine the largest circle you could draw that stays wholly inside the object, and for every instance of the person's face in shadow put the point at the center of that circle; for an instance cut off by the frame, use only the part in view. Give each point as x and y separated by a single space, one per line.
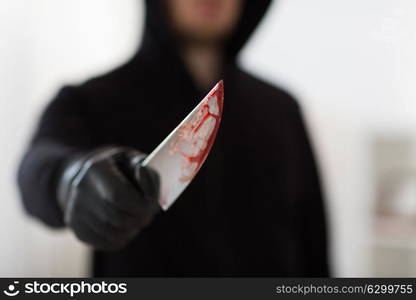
203 21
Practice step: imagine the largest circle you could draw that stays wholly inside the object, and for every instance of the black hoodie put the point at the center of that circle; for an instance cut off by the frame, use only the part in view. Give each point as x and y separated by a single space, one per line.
254 209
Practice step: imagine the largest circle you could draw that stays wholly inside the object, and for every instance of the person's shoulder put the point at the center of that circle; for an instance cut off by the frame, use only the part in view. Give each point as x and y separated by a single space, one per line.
266 93
99 87
106 82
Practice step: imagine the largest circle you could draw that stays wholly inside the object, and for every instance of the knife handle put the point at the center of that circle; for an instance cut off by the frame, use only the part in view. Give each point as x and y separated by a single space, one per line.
144 178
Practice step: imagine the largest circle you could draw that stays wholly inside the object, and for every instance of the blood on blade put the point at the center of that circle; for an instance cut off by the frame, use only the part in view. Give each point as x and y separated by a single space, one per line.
196 136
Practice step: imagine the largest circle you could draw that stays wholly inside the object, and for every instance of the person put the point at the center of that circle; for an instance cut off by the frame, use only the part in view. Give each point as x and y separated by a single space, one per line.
256 206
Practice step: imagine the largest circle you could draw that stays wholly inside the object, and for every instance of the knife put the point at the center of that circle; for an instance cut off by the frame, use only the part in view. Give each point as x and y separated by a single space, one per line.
182 153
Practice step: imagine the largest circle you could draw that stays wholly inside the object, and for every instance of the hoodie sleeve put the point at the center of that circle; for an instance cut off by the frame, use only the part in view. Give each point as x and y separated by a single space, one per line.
62 132
309 210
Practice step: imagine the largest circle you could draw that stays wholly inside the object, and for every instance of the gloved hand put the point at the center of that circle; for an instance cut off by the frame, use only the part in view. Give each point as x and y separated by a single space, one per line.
107 197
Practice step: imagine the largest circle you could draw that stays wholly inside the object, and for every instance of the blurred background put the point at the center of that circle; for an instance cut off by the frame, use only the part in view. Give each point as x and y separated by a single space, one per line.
351 64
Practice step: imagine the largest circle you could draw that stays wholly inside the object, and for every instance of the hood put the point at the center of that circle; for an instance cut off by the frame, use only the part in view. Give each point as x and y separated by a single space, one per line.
158 34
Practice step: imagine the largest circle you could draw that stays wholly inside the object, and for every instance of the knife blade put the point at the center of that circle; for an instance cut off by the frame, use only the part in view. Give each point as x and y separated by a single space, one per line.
179 157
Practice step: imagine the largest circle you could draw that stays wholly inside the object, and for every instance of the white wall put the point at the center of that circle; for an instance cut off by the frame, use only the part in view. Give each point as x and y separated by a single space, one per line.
351 63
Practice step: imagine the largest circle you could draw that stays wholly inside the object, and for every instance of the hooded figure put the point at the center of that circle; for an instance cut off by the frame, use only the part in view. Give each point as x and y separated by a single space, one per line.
254 209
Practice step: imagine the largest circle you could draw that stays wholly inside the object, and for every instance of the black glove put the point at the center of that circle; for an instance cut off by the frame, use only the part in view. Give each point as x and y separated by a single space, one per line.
107 197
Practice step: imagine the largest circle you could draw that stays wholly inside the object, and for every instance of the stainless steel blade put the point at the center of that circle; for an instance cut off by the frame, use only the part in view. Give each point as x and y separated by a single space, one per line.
182 153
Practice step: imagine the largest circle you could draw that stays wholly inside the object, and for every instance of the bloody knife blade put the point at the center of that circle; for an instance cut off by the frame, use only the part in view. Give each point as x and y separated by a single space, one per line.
182 153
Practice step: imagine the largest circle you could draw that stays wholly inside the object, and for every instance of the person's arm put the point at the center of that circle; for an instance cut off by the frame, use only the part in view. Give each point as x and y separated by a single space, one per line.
305 190
61 133
68 178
